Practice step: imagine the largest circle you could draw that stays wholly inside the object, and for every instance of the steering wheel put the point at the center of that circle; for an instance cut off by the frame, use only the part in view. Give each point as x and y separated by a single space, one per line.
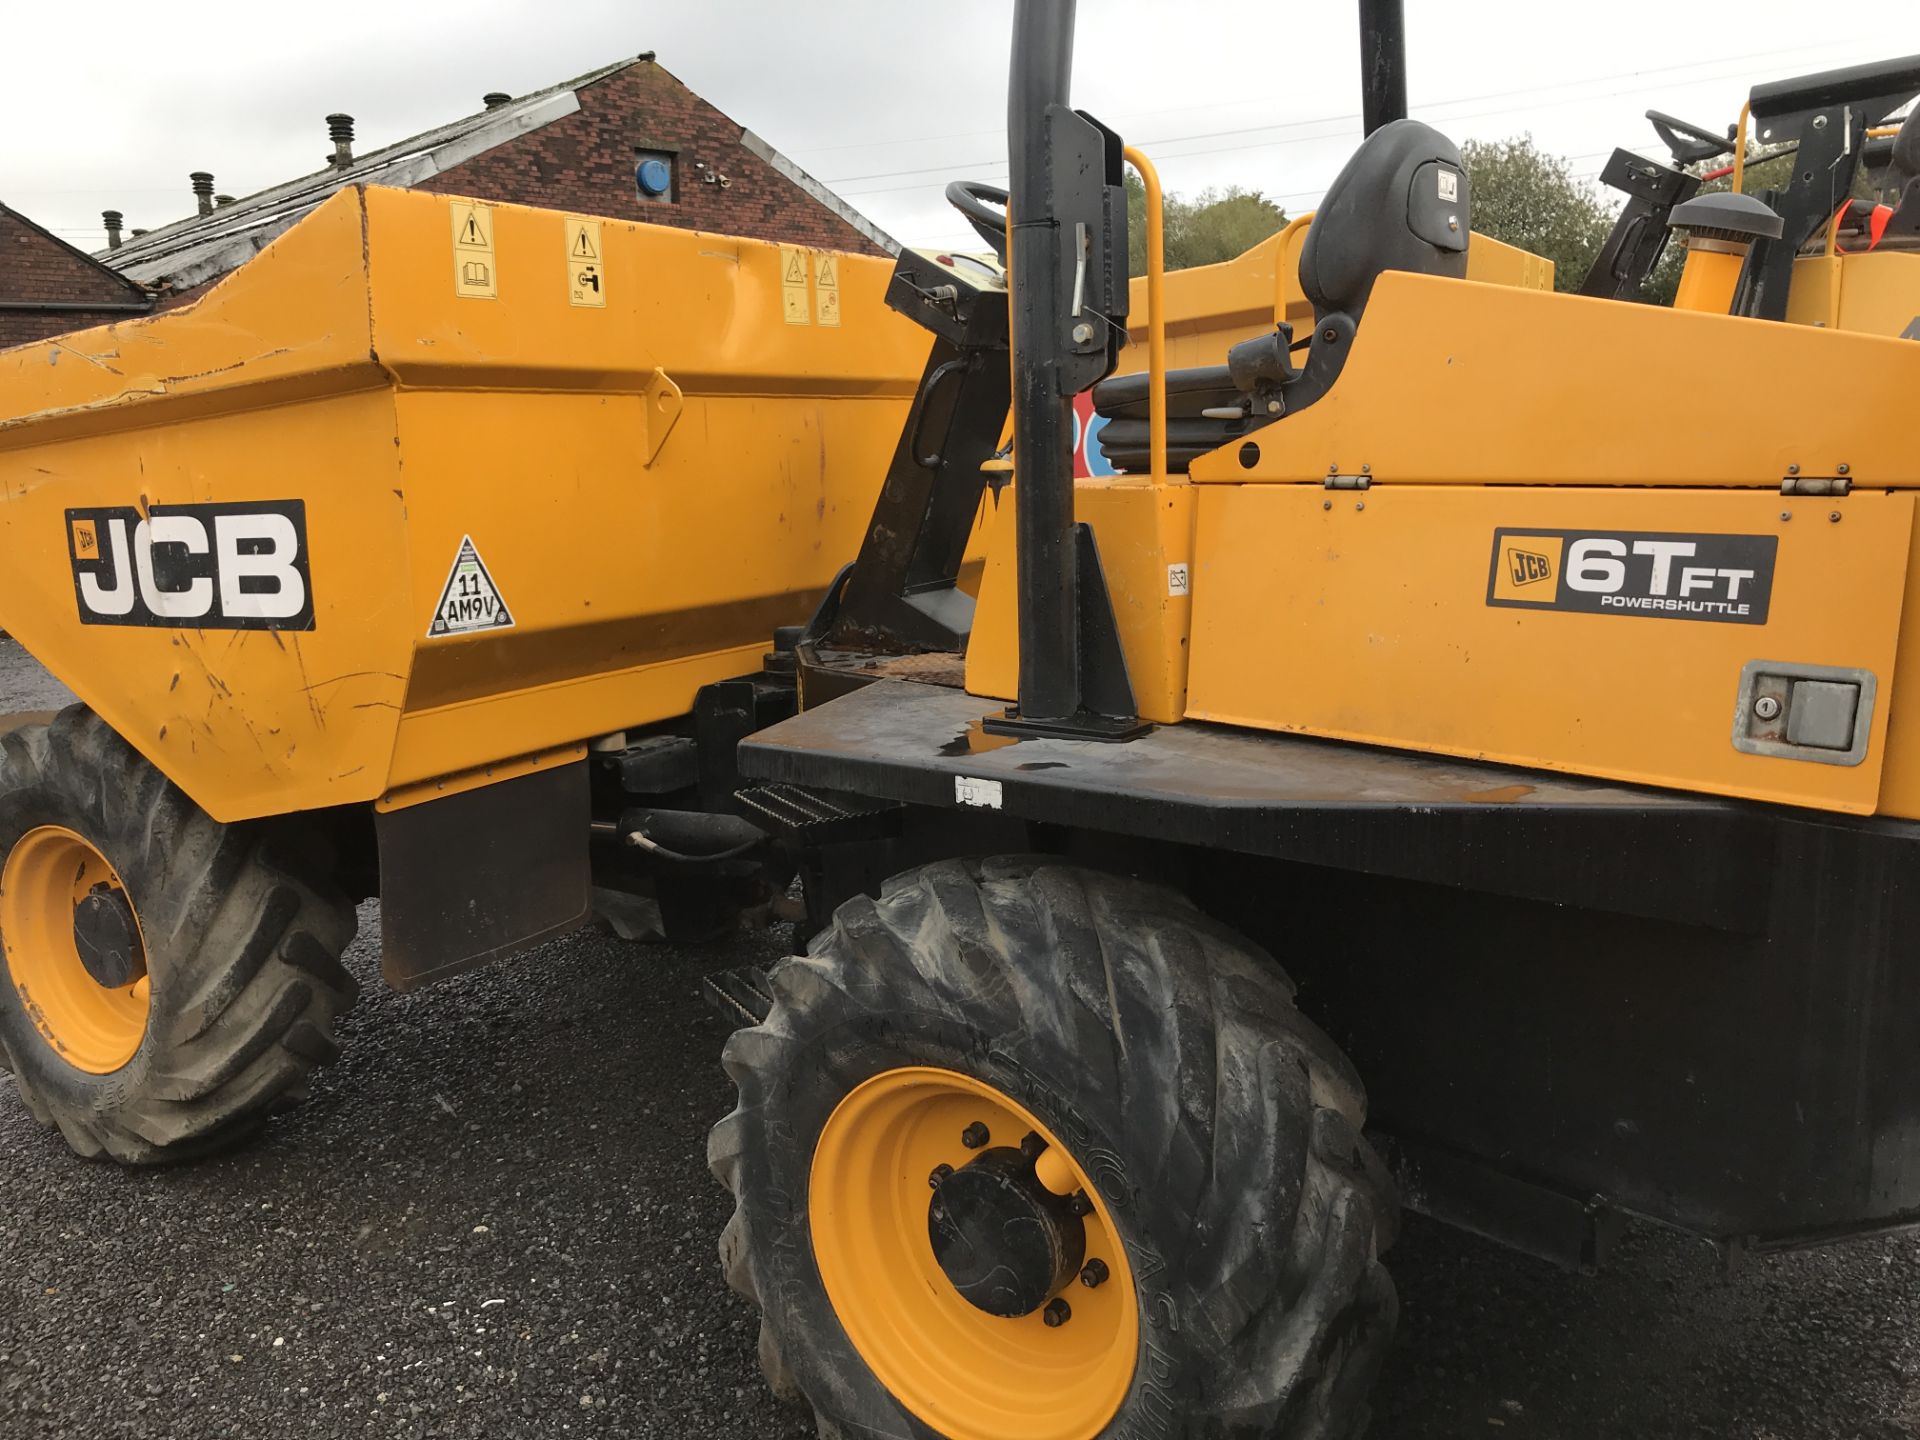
1689 144
985 207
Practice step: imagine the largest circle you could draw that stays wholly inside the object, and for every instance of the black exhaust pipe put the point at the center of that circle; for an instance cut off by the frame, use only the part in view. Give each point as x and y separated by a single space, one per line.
1067 273
1039 258
1383 63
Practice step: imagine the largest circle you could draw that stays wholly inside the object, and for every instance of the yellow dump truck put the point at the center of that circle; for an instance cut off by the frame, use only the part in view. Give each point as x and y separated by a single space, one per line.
366 553
1463 762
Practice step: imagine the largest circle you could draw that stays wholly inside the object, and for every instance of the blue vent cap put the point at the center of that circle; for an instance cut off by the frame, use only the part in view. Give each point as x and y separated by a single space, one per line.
654 177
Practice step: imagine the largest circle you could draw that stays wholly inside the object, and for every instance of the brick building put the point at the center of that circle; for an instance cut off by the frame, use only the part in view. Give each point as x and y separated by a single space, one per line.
628 141
47 287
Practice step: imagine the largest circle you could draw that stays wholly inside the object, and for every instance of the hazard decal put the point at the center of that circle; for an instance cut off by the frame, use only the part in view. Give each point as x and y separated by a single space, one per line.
585 277
470 600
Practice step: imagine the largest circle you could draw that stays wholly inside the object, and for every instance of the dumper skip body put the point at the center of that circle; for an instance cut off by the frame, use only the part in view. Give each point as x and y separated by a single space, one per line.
241 531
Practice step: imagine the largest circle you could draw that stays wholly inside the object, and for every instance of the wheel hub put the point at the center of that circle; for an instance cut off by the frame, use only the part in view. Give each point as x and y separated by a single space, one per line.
72 946
1005 1241
953 1300
107 937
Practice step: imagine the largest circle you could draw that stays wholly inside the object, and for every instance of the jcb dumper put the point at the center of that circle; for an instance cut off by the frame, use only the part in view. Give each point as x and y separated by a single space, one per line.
395 564
1523 676
1462 760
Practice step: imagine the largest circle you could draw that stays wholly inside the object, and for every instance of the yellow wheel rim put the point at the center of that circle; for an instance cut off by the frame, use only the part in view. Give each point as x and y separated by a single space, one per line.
55 887
969 1374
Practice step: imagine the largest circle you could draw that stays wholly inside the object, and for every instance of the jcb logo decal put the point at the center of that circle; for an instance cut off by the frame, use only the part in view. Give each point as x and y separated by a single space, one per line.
203 567
1726 578
1528 567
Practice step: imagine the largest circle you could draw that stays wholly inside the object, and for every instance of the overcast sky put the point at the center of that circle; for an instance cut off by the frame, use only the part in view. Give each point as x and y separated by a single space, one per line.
110 105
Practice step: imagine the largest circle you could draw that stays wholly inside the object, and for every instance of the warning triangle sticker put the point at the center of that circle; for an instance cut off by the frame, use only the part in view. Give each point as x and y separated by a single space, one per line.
582 246
472 231
827 276
470 600
796 270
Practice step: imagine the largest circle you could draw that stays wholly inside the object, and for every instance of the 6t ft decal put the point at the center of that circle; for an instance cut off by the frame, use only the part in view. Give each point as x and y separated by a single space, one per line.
1688 576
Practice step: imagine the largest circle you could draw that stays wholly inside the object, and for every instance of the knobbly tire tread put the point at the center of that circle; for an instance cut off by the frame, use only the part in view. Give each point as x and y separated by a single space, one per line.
244 931
1225 1129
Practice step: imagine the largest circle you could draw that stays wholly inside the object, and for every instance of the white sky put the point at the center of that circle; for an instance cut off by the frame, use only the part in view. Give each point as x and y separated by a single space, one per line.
110 105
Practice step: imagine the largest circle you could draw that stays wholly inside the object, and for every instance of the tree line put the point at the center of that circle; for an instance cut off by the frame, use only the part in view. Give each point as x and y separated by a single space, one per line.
1522 195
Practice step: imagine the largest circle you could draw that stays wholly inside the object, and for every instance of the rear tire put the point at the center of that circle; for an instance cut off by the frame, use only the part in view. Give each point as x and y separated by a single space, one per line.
242 932
1222 1129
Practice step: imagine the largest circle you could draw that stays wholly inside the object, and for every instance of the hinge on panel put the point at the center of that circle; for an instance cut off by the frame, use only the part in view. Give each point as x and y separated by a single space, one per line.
1795 484
1348 482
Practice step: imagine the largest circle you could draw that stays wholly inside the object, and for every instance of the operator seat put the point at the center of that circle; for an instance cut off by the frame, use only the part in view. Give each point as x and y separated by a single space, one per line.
1402 202
1903 173
1905 165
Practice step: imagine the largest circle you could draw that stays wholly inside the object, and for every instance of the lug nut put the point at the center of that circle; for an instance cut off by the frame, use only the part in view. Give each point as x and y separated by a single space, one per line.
1081 1204
1031 1145
940 1172
1093 1274
975 1136
1057 1313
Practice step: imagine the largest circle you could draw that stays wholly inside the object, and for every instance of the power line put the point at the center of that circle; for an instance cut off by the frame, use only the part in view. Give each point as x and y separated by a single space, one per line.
1717 64
1423 104
805 149
813 149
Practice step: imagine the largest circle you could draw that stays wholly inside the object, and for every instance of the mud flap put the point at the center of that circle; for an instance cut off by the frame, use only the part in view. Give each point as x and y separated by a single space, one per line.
481 874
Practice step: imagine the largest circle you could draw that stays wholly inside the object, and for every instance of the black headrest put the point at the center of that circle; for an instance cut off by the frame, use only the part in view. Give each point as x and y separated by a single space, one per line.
1905 164
1401 203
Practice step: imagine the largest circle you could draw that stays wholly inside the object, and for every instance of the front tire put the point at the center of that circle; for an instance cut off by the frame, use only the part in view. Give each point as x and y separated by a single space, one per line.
1216 1133
166 981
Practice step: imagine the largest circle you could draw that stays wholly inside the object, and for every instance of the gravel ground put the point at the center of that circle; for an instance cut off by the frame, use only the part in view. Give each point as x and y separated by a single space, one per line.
494 1220
24 686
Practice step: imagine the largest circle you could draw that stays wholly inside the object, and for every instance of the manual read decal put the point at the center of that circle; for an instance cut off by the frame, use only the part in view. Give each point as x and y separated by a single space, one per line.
469 600
200 567
1728 578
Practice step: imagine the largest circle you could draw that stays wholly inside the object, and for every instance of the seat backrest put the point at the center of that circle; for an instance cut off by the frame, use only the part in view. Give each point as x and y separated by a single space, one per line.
1403 202
1904 168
